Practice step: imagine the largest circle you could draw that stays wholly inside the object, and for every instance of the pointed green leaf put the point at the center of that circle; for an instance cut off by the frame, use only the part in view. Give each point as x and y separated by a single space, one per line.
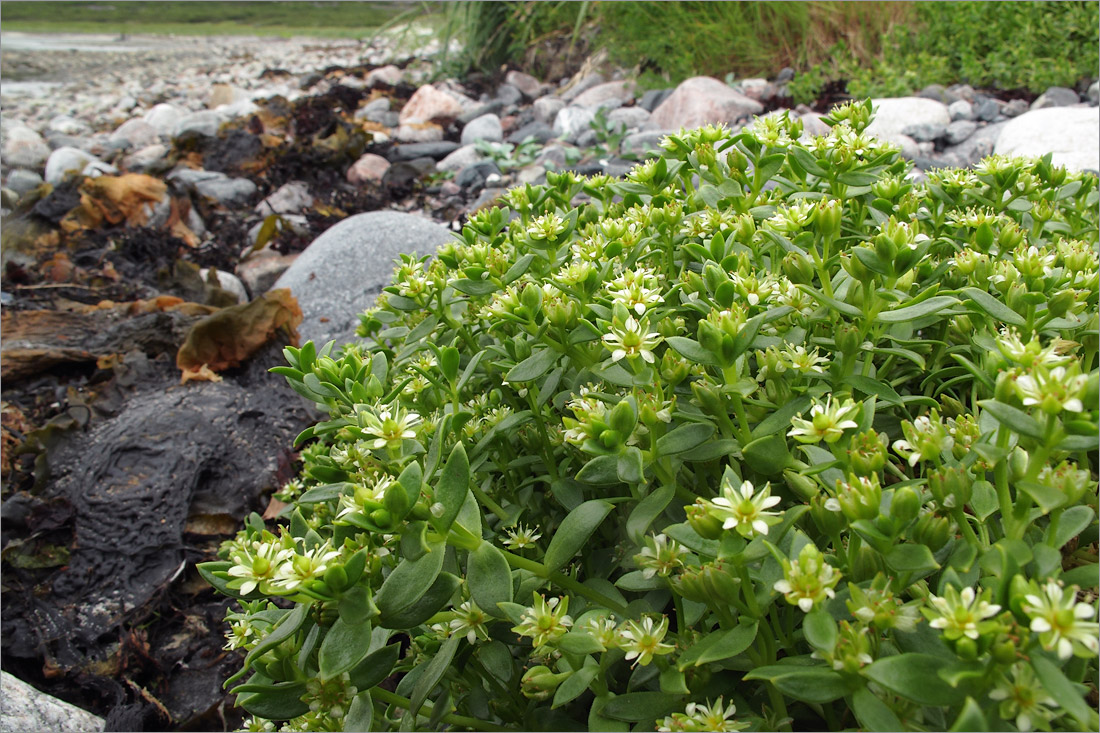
1064 691
872 713
994 307
454 484
1013 419
915 677
489 578
410 579
683 438
344 647
647 510
533 366
574 531
691 350
808 684
719 645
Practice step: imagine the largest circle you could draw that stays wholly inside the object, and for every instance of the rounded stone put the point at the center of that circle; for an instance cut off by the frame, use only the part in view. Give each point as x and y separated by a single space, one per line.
339 275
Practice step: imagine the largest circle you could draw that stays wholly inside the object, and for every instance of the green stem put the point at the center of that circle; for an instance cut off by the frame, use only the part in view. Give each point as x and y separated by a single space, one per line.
377 693
487 501
565 582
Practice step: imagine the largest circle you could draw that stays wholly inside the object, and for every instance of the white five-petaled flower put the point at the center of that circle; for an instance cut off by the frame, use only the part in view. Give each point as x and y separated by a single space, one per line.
959 613
827 422
631 340
660 556
636 290
545 621
521 537
1022 697
256 565
809 580
743 508
298 568
703 717
642 640
1052 390
388 427
1061 621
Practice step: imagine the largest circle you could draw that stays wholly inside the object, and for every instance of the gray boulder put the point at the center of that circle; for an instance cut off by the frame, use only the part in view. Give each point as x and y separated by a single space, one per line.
204 123
22 181
138 133
1056 97
546 109
165 118
23 708
540 131
653 98
339 275
525 83
631 118
214 186
582 85
459 159
960 110
959 130
571 122
485 127
1069 133
640 142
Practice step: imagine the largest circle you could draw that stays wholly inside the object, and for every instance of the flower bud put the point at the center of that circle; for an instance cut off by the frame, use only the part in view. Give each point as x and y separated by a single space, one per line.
829 215
1061 302
722 588
828 521
623 418
674 368
1004 652
744 228
396 501
336 578
905 505
932 530
539 683
1017 464
798 268
705 525
983 236
966 648
867 564
848 339
531 297
866 454
804 486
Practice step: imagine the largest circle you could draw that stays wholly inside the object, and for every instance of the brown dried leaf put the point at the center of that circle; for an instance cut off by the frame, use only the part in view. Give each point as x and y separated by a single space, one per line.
231 335
115 200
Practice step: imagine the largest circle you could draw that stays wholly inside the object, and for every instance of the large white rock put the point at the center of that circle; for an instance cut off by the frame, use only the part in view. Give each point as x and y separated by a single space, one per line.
703 100
572 121
65 160
164 117
23 708
1071 134
24 148
893 115
138 133
612 93
339 275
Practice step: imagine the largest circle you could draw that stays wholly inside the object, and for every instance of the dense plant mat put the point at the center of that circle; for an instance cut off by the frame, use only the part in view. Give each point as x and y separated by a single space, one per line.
763 435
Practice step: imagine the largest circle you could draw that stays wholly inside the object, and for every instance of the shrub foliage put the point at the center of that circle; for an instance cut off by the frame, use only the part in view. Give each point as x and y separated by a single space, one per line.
764 436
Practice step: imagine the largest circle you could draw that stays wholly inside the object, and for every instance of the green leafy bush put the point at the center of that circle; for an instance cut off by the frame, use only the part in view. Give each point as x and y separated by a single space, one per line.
1029 45
762 436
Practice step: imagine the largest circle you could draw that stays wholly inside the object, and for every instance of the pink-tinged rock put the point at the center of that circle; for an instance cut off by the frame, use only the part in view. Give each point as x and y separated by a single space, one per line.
389 75
368 169
703 100
428 104
601 94
260 271
528 85
418 132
